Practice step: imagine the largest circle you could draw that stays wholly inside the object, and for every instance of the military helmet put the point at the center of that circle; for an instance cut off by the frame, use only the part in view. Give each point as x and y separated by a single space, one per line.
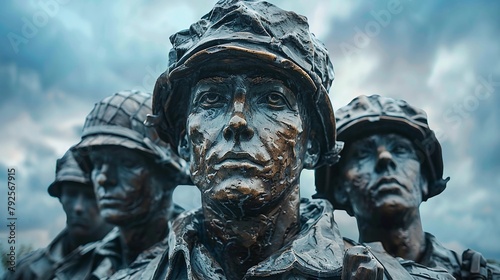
245 35
118 120
67 170
375 114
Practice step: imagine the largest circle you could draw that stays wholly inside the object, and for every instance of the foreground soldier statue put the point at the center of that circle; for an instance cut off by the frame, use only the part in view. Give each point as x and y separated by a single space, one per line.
245 101
390 164
134 175
83 223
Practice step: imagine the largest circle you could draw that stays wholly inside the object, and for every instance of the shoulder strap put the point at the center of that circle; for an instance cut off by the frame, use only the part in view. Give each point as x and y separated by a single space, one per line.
393 269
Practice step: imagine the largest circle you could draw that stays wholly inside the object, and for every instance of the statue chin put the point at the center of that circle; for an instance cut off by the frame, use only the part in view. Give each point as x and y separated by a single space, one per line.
392 205
240 197
120 218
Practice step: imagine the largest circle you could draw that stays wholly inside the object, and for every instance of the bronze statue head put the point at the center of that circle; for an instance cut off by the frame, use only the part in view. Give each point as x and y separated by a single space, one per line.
247 36
245 100
76 194
381 172
387 143
133 171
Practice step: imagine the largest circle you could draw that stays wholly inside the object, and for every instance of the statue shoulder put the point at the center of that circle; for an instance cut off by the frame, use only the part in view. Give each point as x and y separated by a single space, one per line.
436 255
23 270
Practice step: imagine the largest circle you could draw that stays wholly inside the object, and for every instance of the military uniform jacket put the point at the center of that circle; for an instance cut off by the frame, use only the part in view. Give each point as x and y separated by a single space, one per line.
138 269
95 260
42 263
437 256
435 262
105 260
315 253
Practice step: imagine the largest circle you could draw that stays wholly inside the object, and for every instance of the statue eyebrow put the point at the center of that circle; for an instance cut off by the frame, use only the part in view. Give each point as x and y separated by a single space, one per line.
257 80
365 143
399 138
215 79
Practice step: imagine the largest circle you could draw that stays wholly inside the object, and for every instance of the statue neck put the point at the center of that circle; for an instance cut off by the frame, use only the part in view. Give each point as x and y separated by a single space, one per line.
139 237
401 235
70 244
72 241
239 243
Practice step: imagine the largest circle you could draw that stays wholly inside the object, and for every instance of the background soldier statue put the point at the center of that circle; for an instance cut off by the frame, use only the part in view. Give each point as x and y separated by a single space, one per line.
134 175
83 223
390 164
245 101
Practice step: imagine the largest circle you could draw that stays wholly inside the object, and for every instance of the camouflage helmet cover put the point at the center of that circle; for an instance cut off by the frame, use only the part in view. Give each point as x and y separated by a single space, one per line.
237 35
367 115
118 120
67 170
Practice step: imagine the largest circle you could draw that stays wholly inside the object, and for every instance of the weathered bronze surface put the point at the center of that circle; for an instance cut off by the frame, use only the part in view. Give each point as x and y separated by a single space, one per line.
83 223
245 100
134 174
360 264
390 164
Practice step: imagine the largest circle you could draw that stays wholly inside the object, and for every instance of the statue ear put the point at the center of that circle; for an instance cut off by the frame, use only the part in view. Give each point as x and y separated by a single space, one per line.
312 154
340 191
424 186
341 194
183 147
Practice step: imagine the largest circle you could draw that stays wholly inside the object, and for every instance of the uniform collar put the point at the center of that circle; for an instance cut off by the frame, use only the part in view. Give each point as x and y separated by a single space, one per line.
316 251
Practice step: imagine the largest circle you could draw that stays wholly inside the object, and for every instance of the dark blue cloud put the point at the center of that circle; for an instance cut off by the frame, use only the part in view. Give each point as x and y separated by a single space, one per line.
89 50
461 36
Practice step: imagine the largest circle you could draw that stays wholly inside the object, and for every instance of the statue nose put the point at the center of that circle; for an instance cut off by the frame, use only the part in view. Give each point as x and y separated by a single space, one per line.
384 161
78 207
238 129
105 176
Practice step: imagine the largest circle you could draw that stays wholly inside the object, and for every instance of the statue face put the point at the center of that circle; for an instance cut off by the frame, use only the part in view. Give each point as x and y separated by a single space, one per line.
82 214
126 184
382 173
246 140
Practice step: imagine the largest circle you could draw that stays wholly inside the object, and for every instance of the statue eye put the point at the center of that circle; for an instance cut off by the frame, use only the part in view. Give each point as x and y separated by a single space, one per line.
89 194
362 153
211 99
70 192
400 149
129 163
96 162
274 100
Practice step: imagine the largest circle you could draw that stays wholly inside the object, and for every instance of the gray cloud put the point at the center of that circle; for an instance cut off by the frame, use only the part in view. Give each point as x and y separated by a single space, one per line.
429 53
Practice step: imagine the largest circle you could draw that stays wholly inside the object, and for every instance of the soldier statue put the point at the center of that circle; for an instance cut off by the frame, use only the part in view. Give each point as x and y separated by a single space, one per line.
134 175
391 163
84 225
245 101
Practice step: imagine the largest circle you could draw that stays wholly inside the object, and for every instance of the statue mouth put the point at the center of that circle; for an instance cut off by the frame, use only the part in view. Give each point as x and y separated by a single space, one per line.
78 222
108 201
238 160
388 185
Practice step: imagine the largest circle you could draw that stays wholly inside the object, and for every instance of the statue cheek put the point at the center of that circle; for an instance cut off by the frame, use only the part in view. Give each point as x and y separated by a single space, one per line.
200 129
411 171
197 139
351 174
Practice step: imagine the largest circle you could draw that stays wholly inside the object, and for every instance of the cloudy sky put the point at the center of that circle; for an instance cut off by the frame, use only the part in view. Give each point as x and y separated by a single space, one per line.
57 58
